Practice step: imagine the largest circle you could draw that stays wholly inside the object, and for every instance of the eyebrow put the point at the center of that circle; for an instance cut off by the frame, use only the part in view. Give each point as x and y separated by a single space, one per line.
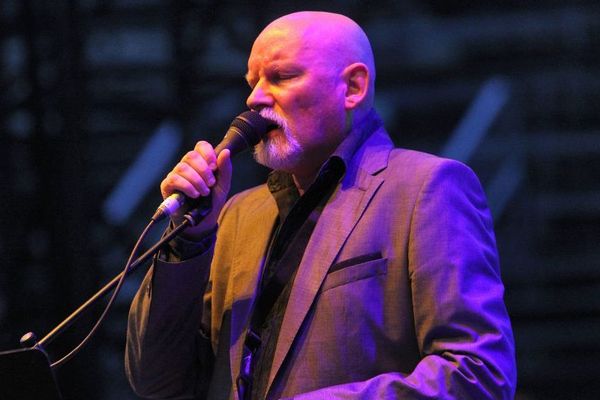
249 78
275 66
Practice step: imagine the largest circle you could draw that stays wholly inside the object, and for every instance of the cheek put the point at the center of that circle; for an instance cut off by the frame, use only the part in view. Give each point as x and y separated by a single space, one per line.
306 101
317 95
315 107
303 112
318 104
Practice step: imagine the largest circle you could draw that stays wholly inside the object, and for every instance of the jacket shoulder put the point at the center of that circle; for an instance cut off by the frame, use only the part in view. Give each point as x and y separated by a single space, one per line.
245 201
421 163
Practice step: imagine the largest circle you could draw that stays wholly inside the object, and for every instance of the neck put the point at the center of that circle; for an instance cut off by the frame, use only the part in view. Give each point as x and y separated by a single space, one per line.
303 182
305 173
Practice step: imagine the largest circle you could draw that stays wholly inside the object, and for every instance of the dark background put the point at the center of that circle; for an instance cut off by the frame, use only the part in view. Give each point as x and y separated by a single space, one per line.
99 98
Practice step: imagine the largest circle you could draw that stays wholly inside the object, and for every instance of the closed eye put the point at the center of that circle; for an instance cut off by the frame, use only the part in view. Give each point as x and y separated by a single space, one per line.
282 77
280 73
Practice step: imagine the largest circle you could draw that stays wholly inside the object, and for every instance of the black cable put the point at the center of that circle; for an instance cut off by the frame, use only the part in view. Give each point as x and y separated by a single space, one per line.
110 302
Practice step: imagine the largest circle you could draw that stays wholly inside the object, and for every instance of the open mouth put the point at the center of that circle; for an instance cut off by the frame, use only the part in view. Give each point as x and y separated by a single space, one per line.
272 125
274 120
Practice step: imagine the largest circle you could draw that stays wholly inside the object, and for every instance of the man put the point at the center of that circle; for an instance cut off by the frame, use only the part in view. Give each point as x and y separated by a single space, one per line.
391 286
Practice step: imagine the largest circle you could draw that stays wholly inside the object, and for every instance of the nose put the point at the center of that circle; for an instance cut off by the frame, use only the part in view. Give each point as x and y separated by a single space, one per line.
260 97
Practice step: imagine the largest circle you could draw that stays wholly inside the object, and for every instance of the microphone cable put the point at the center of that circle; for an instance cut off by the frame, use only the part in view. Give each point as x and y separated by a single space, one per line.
94 329
245 131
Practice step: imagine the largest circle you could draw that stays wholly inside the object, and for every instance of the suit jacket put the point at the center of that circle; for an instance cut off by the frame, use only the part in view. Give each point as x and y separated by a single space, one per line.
398 294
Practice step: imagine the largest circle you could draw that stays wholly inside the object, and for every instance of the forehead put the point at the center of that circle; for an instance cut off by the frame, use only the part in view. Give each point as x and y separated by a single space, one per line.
299 42
276 44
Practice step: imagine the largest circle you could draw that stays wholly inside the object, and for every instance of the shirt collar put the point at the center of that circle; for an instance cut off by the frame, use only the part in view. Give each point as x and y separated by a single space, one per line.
357 137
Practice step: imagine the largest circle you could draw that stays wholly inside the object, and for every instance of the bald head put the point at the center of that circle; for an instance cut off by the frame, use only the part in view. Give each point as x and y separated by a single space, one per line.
335 38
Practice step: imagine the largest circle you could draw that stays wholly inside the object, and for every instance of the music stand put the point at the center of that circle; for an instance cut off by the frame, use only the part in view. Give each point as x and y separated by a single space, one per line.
25 374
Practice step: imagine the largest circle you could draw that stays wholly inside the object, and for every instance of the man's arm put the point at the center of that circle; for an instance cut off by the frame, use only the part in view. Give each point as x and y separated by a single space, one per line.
163 332
168 356
462 327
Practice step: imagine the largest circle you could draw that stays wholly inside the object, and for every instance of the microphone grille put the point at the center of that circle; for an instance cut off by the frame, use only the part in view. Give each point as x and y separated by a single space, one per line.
252 125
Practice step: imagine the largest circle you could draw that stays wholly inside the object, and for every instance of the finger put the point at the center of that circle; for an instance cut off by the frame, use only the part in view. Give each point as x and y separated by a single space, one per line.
176 183
208 153
196 161
194 177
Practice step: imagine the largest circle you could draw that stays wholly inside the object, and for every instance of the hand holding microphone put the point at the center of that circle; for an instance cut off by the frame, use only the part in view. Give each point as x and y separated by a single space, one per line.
196 174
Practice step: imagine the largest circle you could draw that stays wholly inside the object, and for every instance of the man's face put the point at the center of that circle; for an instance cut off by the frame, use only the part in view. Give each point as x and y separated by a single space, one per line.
295 83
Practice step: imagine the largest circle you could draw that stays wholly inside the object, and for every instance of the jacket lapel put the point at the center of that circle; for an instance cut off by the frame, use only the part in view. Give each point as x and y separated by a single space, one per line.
246 271
335 224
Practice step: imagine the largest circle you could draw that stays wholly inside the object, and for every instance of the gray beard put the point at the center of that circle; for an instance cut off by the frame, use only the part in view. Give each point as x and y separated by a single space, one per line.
281 152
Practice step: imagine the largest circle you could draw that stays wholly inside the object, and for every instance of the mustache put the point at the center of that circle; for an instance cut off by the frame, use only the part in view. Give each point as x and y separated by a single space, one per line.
271 115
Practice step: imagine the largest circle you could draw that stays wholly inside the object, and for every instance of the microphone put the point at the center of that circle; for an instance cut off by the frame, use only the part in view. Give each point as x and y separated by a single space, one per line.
245 131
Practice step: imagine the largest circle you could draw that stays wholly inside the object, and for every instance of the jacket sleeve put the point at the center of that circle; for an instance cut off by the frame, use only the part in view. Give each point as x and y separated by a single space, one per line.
461 323
167 355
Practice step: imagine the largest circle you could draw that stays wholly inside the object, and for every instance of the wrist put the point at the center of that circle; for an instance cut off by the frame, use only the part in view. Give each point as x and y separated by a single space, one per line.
184 246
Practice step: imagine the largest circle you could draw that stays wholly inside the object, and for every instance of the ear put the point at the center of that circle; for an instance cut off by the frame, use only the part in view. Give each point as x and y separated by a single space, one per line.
356 76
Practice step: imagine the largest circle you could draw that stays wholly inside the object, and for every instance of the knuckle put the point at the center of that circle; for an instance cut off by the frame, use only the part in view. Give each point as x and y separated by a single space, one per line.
167 186
190 155
169 181
180 168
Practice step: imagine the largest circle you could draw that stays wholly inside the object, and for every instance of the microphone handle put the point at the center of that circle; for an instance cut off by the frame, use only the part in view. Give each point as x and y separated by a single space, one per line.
198 208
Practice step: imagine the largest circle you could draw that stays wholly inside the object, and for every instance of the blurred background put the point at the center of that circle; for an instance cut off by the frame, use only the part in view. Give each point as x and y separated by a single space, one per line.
98 100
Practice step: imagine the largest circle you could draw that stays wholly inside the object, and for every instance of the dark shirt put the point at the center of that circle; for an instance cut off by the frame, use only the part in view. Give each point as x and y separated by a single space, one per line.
298 216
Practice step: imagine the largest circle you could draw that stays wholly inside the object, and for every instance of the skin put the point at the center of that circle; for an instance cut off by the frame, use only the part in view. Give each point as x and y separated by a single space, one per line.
313 69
